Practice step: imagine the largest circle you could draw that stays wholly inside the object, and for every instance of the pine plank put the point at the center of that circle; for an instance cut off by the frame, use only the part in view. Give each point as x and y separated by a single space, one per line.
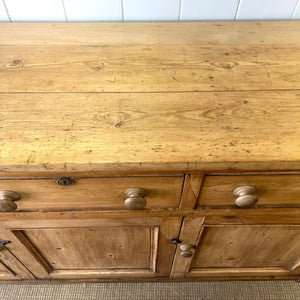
254 32
149 68
97 131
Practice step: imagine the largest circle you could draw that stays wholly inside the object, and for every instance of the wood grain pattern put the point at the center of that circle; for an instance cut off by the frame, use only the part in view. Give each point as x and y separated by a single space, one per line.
154 238
4 271
88 222
160 68
102 273
191 190
125 98
241 250
216 216
193 33
169 228
11 268
137 168
189 234
249 273
89 193
252 128
267 276
243 246
24 253
95 248
258 217
270 189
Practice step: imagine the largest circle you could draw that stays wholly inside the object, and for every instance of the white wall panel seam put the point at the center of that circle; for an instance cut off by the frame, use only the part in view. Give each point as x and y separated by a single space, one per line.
65 12
122 7
180 10
237 10
295 9
6 9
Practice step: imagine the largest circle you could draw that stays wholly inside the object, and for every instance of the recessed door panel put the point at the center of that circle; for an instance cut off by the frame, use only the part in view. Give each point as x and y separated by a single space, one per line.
254 246
92 248
211 249
98 248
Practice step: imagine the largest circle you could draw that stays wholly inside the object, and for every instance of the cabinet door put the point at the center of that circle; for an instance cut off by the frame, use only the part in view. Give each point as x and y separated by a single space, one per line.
10 267
216 248
98 248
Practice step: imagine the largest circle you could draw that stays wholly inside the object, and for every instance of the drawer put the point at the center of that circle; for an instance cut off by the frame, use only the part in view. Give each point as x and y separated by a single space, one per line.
270 190
94 193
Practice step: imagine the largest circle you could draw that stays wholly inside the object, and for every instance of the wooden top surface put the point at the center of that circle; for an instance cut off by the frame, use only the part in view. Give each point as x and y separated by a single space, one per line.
149 96
151 33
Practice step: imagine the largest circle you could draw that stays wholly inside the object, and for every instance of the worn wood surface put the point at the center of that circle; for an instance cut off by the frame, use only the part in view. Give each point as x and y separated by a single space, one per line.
174 33
24 252
127 98
238 250
277 190
89 131
224 96
11 268
169 228
97 193
92 248
68 223
248 246
191 190
189 234
155 68
250 273
96 248
247 250
217 216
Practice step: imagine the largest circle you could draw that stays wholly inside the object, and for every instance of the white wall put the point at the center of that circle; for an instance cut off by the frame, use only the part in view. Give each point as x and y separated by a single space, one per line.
147 10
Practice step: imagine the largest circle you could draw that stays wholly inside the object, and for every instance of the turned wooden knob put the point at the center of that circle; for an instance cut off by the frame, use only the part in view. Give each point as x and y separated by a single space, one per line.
7 201
135 198
245 197
186 250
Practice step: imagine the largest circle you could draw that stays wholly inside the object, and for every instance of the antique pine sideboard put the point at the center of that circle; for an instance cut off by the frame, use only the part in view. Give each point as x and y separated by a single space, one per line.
149 151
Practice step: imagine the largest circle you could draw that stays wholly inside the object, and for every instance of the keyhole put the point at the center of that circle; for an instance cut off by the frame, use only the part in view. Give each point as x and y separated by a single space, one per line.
65 181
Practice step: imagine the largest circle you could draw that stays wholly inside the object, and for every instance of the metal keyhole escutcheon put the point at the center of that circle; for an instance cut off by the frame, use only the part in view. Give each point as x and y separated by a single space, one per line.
65 181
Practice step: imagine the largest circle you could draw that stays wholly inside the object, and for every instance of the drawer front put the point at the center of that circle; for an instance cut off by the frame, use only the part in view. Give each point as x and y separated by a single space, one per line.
90 193
270 190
